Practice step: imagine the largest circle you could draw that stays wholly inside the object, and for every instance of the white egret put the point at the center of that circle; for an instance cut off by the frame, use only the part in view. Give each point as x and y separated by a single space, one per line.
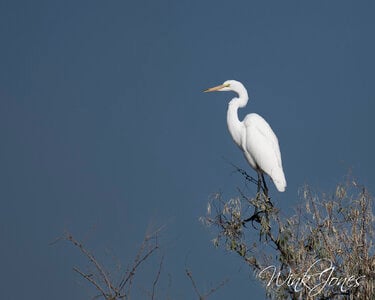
254 137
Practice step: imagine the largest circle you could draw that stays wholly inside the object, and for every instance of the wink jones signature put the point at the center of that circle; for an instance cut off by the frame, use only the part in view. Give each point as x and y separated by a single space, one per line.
318 276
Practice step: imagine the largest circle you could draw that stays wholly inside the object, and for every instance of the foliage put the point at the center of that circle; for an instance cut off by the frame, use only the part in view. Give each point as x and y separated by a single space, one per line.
324 251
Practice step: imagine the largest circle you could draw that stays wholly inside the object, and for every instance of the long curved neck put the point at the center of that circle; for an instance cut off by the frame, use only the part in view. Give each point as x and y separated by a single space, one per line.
235 126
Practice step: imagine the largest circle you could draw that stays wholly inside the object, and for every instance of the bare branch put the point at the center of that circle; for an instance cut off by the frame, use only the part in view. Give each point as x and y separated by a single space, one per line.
214 289
138 261
210 292
100 278
93 260
188 273
157 278
89 277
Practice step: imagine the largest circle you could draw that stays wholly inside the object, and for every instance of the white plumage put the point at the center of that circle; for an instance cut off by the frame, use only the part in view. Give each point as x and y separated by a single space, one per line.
254 136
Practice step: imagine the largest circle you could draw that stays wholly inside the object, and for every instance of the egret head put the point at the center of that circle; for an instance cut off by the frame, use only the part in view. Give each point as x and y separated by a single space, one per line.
229 85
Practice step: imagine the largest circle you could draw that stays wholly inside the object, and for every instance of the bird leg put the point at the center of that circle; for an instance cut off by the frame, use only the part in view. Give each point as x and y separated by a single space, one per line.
262 205
259 181
265 188
262 186
262 183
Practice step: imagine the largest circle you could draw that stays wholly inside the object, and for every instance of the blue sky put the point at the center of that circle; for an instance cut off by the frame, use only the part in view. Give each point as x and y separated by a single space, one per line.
106 132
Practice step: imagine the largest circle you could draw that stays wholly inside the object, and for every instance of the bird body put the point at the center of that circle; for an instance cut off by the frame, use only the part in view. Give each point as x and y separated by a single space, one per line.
254 136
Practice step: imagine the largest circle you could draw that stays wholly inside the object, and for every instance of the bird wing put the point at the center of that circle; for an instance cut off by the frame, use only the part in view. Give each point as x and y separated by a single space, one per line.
262 145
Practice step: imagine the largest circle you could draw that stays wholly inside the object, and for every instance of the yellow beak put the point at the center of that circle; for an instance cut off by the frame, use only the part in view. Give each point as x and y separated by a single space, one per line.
215 88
